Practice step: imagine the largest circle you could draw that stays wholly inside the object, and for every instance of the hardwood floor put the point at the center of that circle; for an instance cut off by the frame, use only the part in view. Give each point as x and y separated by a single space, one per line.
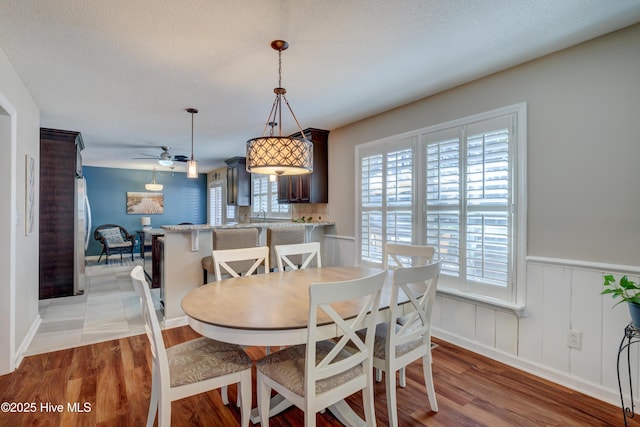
113 380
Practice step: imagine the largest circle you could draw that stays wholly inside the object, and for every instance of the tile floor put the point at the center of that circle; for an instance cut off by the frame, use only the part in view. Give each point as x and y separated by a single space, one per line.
108 309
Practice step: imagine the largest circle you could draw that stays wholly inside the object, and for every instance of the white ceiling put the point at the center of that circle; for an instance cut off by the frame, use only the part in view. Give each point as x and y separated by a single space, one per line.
123 71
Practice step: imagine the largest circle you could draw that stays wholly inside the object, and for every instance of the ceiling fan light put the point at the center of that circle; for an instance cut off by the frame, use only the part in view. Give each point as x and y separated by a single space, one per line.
192 169
165 162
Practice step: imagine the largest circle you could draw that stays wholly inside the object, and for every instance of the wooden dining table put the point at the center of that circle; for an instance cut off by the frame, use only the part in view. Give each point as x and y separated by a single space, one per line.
273 310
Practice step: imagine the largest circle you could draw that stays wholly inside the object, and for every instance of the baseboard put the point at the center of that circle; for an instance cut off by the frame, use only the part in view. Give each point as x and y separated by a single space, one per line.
594 390
26 342
174 322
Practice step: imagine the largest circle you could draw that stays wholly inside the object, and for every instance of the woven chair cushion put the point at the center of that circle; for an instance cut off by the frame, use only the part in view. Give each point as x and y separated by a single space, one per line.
287 368
204 358
381 339
120 245
112 236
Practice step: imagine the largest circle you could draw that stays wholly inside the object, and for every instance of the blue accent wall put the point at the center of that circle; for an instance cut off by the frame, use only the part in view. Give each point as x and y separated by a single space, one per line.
185 200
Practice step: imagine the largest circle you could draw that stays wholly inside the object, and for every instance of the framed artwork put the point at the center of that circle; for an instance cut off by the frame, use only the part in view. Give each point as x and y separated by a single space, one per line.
30 194
141 202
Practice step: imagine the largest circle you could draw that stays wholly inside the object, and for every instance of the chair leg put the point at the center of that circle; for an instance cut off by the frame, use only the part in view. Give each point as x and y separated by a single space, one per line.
403 377
367 402
164 412
225 395
153 403
264 397
390 381
245 398
428 382
378 374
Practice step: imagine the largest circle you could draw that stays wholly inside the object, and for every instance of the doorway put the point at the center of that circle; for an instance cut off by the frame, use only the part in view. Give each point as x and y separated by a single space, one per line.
7 245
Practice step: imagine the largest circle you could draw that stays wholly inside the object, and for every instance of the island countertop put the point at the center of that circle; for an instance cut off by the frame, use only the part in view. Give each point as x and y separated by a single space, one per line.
262 225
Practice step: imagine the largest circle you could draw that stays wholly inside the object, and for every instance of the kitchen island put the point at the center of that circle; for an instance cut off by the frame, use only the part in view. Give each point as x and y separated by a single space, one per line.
183 248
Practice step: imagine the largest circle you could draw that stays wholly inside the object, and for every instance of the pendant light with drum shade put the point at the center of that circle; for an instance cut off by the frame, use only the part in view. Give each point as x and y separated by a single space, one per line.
192 164
273 154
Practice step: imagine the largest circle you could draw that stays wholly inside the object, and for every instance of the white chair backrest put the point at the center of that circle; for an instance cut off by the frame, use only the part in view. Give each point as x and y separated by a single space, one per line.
221 258
419 285
309 251
151 324
322 297
407 255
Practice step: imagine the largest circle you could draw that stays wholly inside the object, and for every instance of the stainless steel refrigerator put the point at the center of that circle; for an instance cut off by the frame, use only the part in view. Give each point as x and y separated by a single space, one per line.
82 229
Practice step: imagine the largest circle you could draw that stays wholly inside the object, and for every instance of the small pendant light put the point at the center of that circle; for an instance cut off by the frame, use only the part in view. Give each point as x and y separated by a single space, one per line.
192 164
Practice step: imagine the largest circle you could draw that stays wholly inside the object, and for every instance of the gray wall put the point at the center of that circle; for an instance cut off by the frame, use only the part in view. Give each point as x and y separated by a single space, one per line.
583 146
18 282
583 208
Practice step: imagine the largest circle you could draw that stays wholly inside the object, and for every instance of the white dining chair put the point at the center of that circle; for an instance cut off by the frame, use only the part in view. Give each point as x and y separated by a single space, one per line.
402 255
396 346
221 257
191 367
323 372
308 251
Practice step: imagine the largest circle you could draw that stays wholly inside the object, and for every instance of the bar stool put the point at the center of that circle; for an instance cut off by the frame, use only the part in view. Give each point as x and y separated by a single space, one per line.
231 238
284 236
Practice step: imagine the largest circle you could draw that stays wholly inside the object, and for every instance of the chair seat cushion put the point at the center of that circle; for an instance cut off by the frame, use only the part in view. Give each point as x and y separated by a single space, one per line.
207 264
112 236
379 344
204 358
286 367
120 245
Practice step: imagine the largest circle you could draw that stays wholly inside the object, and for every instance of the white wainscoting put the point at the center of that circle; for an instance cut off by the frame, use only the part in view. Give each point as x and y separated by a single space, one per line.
338 250
562 295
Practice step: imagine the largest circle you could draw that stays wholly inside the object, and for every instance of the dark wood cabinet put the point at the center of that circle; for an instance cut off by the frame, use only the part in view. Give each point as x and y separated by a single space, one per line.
238 182
313 187
60 162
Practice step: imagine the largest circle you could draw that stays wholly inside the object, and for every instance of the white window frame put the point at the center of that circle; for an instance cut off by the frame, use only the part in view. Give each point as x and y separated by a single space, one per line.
274 210
216 190
513 296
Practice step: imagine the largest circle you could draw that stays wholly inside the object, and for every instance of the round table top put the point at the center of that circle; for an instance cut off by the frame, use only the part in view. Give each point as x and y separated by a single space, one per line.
268 302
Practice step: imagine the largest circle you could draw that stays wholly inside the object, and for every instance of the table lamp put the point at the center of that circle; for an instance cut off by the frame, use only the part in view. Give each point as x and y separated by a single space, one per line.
145 221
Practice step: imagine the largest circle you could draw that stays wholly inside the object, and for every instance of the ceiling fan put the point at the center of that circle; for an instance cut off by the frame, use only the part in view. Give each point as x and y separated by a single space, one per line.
165 158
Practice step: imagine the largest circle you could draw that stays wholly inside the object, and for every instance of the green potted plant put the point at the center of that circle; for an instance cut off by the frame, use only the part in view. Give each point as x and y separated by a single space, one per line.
628 291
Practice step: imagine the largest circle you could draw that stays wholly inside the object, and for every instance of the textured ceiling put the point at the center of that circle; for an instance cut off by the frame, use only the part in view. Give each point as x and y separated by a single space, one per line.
123 71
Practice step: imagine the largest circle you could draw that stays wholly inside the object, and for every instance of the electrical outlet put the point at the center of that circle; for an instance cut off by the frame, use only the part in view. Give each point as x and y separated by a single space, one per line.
574 339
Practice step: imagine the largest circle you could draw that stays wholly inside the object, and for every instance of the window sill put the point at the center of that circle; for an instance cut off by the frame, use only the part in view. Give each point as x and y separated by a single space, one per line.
484 301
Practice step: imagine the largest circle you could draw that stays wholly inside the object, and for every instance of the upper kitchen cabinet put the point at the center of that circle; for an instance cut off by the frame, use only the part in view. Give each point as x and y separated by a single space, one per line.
313 187
238 182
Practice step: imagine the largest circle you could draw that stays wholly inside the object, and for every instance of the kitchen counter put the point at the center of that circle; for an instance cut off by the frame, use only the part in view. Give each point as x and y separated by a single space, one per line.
184 246
261 225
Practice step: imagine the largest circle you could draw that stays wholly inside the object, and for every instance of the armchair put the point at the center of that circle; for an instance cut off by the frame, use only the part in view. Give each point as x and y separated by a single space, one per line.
115 239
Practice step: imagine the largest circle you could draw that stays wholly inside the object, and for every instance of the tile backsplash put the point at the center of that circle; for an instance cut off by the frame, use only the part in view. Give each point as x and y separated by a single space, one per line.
318 211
